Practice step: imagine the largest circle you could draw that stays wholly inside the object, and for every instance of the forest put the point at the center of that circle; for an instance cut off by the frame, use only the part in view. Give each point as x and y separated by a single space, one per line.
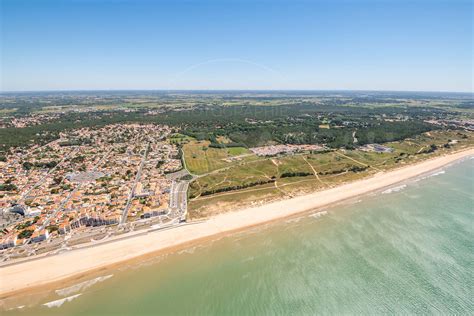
252 125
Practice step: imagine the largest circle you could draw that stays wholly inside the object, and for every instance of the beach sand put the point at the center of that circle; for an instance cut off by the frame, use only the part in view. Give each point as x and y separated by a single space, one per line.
77 264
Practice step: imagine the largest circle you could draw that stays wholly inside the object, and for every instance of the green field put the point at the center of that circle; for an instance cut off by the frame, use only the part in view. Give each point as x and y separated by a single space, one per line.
281 169
333 168
178 138
236 151
201 159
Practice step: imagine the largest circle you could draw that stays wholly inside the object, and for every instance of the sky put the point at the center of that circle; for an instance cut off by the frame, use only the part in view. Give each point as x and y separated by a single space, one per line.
236 45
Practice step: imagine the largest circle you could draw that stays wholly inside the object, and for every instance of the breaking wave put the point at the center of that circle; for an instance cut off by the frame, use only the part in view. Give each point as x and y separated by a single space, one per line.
190 250
58 303
82 286
395 189
293 220
437 173
318 214
17 307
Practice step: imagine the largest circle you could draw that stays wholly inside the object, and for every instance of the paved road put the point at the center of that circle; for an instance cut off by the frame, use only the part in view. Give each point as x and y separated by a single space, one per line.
43 179
178 198
178 194
66 200
134 186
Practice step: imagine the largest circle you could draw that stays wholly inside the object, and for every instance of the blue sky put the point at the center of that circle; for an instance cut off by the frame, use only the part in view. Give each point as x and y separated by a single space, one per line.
312 45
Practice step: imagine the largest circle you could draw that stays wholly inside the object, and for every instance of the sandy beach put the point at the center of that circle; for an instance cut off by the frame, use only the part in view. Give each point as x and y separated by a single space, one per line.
75 264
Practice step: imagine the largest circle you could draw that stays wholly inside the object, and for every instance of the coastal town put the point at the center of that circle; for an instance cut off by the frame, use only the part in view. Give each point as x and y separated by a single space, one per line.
81 169
96 184
67 191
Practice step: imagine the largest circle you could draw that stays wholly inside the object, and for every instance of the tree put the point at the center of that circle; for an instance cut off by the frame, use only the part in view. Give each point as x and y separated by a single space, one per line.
27 165
25 234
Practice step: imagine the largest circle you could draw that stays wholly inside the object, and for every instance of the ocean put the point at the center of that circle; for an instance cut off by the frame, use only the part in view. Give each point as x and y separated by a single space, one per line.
404 250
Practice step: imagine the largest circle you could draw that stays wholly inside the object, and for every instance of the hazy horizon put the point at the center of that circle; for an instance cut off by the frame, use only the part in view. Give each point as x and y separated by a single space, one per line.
239 91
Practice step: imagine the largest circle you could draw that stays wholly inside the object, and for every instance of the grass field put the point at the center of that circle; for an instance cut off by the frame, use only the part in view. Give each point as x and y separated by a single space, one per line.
262 170
236 151
178 138
7 111
293 164
200 158
333 168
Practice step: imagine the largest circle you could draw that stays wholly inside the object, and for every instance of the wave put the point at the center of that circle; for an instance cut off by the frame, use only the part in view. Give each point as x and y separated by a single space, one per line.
251 258
395 189
293 220
437 173
187 251
318 214
58 303
82 286
17 307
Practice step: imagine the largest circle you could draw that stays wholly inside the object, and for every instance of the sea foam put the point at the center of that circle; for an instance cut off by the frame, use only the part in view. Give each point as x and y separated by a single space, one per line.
318 214
17 307
395 189
82 286
58 303
293 220
437 173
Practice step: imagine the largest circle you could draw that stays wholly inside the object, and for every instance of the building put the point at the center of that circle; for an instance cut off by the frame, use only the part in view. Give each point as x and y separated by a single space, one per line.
39 236
64 228
7 242
376 148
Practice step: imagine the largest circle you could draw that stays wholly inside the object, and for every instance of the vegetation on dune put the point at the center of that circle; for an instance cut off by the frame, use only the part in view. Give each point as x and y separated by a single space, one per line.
293 174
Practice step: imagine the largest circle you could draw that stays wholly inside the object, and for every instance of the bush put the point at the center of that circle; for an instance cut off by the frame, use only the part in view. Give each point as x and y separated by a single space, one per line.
8 187
25 234
52 228
295 174
228 145
237 187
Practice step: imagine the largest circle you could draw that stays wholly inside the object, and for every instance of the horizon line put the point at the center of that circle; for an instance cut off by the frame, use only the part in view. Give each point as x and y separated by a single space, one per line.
236 90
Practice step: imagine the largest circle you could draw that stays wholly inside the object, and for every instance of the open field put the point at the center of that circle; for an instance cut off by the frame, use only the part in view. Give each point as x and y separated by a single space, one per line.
252 173
179 139
239 185
200 158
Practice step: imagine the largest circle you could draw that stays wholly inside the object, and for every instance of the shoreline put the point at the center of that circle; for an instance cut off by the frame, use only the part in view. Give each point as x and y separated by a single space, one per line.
75 266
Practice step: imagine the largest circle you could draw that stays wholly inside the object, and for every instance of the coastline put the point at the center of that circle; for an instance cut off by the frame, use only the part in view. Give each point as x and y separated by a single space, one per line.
75 265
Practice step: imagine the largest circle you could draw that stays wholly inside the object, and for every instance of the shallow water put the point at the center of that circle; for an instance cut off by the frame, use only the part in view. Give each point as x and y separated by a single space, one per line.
409 250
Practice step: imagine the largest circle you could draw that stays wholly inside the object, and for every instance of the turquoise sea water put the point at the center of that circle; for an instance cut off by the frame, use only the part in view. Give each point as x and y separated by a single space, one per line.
406 251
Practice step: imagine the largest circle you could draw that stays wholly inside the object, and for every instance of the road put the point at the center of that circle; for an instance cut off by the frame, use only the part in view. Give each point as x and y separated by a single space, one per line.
179 193
64 202
43 179
123 219
178 197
